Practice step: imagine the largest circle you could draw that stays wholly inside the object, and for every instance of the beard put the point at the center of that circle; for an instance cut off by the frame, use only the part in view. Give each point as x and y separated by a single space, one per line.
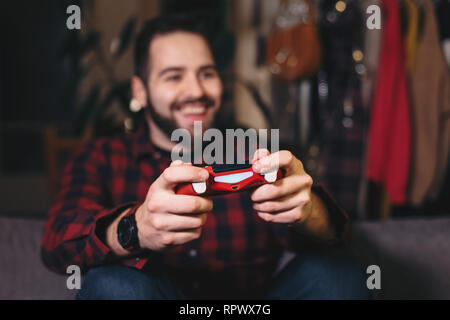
169 124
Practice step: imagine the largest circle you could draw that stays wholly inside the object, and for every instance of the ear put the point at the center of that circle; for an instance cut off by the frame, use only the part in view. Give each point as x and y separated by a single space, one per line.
138 89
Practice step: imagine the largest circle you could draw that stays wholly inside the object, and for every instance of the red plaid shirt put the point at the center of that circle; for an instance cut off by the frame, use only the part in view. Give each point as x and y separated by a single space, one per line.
237 249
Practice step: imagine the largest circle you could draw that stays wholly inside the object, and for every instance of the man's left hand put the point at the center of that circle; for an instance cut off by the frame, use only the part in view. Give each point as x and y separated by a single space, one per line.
288 200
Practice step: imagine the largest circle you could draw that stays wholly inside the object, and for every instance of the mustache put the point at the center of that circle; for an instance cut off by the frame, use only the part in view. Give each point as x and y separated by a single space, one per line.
207 101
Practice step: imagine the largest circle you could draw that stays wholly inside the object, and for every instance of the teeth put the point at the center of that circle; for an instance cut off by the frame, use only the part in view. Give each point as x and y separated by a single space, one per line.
193 110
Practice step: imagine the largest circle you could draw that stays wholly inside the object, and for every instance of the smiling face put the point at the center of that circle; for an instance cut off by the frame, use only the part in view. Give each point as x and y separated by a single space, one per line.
183 84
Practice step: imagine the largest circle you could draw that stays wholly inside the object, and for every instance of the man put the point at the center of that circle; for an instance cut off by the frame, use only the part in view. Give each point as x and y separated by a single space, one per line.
181 246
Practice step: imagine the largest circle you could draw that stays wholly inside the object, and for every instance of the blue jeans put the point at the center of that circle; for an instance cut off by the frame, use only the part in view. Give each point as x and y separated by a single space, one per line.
329 274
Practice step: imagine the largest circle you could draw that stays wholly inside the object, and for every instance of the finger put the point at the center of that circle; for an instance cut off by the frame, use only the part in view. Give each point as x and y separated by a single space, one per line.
180 204
185 204
281 188
173 222
177 174
283 204
260 153
281 159
290 216
180 237
179 163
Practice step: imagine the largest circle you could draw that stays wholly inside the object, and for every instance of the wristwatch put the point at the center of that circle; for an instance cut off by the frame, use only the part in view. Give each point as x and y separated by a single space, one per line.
127 231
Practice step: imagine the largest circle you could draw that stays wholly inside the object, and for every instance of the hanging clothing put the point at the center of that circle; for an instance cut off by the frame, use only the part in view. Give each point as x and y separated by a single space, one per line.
372 45
430 92
442 10
341 111
412 33
388 151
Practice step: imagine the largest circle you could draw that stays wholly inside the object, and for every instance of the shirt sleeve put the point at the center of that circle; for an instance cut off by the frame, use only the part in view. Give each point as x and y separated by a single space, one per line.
338 218
74 231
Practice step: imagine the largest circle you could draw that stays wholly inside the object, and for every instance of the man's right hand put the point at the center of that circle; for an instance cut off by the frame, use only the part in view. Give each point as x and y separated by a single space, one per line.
166 219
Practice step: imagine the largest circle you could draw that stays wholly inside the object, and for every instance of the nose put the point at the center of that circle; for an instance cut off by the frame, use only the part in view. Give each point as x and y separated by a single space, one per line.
194 87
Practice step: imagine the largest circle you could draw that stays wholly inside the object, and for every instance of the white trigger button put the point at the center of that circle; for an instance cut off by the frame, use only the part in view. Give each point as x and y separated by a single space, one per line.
271 176
199 187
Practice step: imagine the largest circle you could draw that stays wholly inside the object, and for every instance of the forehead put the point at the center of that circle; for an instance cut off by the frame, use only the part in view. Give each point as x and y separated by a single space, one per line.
181 49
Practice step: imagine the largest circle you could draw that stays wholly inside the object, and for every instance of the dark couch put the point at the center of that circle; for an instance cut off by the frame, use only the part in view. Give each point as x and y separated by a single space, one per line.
413 254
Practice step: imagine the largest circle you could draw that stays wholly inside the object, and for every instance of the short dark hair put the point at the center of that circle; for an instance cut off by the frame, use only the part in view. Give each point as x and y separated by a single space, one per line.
163 25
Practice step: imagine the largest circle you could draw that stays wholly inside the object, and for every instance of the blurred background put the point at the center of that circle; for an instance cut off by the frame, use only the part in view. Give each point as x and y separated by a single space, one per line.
366 109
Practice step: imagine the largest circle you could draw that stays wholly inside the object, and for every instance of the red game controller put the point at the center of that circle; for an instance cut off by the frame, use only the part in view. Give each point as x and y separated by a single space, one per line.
225 178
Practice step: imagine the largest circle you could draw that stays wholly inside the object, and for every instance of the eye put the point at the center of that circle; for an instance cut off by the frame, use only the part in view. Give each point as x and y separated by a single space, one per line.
208 74
173 78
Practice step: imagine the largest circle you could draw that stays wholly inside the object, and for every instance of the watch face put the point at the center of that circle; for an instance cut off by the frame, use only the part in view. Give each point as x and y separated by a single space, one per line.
124 232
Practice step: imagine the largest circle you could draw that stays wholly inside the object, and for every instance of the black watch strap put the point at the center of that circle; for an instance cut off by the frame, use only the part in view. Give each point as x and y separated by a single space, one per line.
127 231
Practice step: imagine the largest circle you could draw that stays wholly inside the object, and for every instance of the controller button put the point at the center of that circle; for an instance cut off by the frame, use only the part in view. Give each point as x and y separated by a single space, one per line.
199 187
271 176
